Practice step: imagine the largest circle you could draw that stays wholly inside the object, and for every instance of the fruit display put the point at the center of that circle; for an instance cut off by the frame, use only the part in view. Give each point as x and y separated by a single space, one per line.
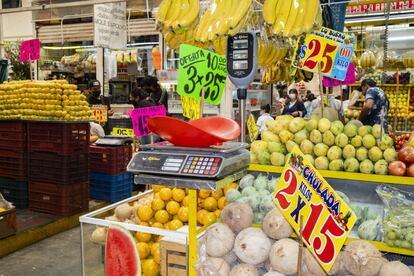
375 76
400 140
270 53
367 59
405 164
42 100
177 14
275 73
328 145
408 59
352 114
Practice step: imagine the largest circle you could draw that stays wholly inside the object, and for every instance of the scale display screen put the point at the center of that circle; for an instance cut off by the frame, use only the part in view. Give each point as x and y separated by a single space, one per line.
241 44
240 65
243 54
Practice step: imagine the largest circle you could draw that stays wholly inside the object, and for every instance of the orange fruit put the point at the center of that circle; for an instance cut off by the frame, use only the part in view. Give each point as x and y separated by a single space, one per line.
143 237
209 218
156 188
200 216
175 224
157 204
217 193
157 195
222 202
173 207
143 250
144 223
178 194
210 204
165 194
217 213
162 216
230 186
183 214
157 225
204 193
155 252
185 201
144 212
150 267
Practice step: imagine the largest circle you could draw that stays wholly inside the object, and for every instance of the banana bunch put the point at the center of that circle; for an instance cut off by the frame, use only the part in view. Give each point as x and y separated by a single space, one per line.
220 45
301 75
289 18
269 53
177 14
223 17
367 59
277 72
175 39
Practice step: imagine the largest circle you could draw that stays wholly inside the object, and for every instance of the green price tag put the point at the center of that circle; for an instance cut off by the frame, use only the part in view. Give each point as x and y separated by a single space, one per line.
201 69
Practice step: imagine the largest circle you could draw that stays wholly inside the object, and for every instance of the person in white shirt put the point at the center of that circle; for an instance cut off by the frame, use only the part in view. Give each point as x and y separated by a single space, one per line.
264 117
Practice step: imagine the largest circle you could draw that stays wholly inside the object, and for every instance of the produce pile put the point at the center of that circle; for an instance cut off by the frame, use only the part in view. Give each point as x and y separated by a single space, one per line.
329 146
234 248
367 60
405 163
42 100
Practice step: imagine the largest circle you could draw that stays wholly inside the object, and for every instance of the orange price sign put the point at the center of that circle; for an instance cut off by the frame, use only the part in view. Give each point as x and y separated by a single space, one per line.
100 113
327 219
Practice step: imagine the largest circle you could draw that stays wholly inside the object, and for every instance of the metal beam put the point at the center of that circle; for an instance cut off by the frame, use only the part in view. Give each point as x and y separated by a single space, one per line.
60 5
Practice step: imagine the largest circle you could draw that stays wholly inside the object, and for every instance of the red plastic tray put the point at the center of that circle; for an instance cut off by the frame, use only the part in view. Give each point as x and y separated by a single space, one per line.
202 133
13 126
109 160
15 168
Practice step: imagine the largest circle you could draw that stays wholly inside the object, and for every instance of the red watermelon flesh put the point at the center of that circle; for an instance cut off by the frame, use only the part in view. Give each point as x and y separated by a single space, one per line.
121 253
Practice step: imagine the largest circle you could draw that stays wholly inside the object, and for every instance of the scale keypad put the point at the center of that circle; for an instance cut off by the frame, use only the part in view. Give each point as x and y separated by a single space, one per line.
196 165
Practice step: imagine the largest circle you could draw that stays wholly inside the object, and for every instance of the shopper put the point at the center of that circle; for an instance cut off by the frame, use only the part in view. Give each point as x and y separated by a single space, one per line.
308 104
151 86
264 117
355 95
333 102
94 92
294 106
376 104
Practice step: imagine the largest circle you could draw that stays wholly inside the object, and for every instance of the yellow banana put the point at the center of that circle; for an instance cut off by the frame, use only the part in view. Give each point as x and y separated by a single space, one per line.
174 12
298 27
311 11
163 9
223 22
282 16
269 11
240 10
293 15
319 20
189 14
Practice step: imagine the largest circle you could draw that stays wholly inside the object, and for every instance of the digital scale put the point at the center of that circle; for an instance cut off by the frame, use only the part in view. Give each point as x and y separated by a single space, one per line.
241 69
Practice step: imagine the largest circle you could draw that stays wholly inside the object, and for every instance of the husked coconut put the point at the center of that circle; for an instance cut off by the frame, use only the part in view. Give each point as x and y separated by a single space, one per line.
99 235
276 226
396 268
362 258
215 266
123 211
273 273
112 218
237 216
312 265
231 258
252 246
284 256
338 268
244 270
219 240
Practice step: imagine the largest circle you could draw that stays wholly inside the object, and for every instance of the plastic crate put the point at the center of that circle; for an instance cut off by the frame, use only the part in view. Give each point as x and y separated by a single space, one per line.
11 139
15 192
8 223
15 126
14 167
57 168
58 137
57 199
111 188
110 160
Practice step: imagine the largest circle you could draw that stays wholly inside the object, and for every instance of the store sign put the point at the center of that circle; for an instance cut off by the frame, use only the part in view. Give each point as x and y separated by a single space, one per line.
252 127
30 50
191 108
110 26
349 79
200 70
123 131
327 219
327 48
100 112
141 116
395 6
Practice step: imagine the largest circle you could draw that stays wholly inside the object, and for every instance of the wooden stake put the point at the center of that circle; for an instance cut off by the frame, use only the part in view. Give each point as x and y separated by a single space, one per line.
203 91
300 254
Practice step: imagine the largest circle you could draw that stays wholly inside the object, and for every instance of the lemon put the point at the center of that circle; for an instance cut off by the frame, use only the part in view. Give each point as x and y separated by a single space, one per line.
178 194
204 193
209 218
156 188
175 224
143 250
155 252
175 216
144 212
221 202
217 194
157 195
183 214
143 223
150 267
157 204
162 216
167 226
143 237
210 204
200 216
158 225
165 194
229 187
173 207
185 201
217 213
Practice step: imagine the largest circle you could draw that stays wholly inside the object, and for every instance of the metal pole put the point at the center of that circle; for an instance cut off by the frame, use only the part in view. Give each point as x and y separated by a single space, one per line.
82 251
242 113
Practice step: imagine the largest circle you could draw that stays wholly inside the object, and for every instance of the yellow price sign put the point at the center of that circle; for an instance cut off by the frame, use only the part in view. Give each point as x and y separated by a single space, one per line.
100 112
252 127
191 108
327 219
123 131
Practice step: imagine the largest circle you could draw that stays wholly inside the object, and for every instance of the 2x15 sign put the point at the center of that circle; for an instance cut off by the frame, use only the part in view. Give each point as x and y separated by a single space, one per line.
140 117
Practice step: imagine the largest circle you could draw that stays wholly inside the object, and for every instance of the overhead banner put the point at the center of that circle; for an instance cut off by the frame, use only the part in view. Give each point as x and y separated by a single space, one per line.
200 70
329 49
327 219
110 26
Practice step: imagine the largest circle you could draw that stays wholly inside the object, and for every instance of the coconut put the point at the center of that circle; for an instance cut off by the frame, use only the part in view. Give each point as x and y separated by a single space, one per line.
362 258
312 264
123 211
276 226
215 266
284 256
112 218
237 216
252 246
231 258
219 240
338 268
273 273
395 268
99 235
244 270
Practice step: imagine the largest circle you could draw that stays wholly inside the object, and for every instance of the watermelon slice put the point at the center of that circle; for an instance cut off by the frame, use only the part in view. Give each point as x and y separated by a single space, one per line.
121 253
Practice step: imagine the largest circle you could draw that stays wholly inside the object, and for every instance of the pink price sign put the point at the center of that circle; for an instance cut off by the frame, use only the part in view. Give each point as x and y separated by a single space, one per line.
349 79
30 50
140 117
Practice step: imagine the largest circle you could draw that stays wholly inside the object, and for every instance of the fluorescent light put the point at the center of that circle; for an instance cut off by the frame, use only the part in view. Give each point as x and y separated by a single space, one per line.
401 38
378 18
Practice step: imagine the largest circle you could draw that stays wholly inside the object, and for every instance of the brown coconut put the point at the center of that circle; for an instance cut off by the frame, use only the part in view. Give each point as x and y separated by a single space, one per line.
396 268
362 258
276 226
237 216
244 270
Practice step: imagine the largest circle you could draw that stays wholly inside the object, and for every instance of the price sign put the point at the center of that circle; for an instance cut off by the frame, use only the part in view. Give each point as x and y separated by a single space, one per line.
302 191
140 117
123 131
326 47
100 112
252 127
30 50
201 69
349 79
191 108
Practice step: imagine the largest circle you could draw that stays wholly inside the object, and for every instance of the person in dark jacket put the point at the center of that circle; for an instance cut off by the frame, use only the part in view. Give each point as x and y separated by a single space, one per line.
294 106
151 86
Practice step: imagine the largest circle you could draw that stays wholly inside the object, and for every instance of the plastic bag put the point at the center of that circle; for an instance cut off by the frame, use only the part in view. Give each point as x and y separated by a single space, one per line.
209 266
399 220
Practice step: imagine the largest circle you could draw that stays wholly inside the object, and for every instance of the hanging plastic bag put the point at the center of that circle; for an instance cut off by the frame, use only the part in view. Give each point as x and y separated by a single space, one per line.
210 266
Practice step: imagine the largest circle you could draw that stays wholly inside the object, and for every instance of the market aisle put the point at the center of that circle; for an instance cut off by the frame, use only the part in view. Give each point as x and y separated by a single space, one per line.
57 255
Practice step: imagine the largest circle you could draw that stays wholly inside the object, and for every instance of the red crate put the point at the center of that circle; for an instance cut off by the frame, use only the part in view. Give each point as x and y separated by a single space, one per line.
57 168
58 137
59 200
15 126
14 167
110 160
13 140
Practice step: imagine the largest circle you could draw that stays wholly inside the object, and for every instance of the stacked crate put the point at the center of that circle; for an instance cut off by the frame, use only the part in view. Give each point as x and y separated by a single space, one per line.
109 179
58 167
13 162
